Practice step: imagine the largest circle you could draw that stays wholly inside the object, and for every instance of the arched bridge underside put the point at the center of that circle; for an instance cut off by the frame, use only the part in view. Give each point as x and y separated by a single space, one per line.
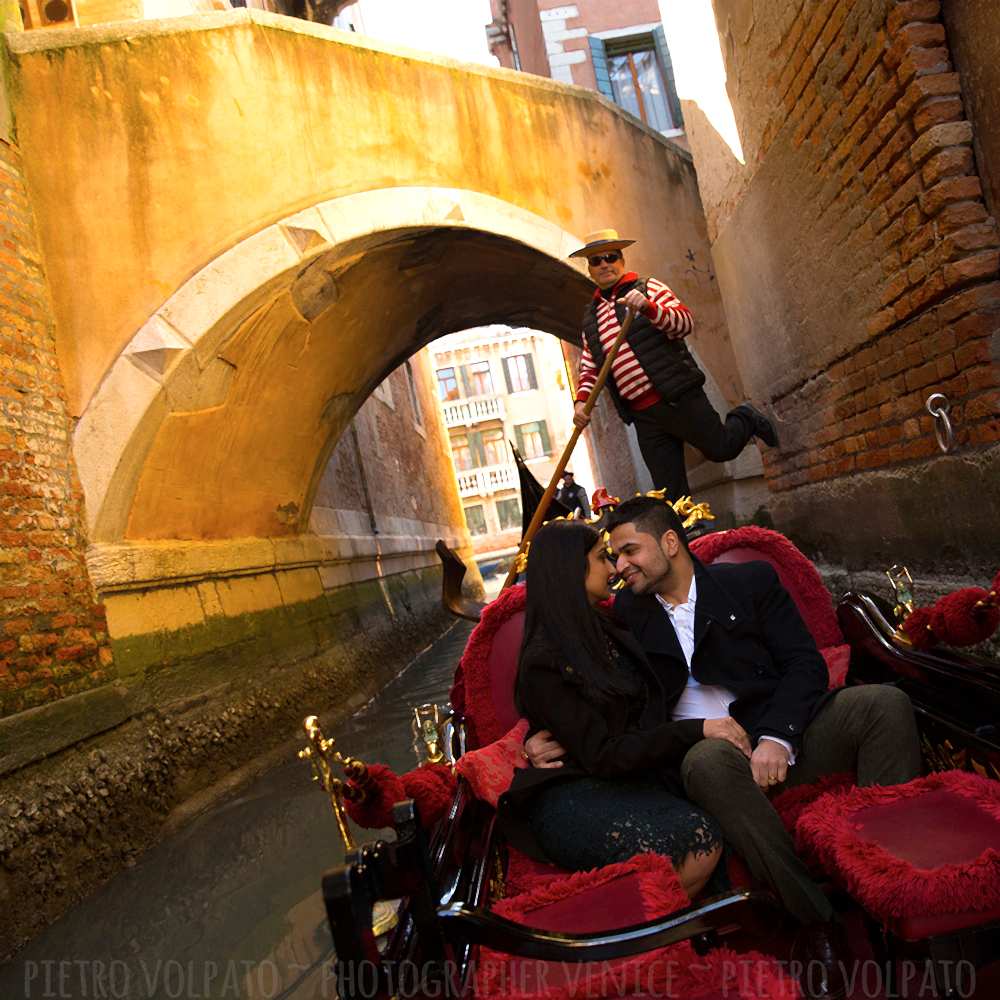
248 221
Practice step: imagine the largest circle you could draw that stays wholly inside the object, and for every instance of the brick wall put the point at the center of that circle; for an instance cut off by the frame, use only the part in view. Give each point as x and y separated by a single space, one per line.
865 94
53 639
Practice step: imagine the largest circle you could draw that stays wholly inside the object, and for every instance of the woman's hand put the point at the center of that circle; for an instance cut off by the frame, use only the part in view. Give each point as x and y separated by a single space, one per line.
727 729
542 750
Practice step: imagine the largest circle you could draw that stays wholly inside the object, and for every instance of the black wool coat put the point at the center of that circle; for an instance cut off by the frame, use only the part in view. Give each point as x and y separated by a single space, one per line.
749 638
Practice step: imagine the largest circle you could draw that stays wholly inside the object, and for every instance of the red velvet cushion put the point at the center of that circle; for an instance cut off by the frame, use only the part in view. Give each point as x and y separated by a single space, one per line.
923 857
643 888
503 659
484 681
490 770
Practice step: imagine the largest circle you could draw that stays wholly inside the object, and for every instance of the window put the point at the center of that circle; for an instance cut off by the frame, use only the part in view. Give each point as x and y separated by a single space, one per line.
519 372
461 453
447 384
475 518
478 381
636 73
418 414
509 512
494 447
533 439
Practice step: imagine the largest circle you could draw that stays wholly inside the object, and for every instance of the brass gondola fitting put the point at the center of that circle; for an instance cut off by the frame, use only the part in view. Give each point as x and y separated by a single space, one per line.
431 727
902 591
323 756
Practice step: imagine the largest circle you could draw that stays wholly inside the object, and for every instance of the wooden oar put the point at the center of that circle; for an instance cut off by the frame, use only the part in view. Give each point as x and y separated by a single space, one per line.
543 504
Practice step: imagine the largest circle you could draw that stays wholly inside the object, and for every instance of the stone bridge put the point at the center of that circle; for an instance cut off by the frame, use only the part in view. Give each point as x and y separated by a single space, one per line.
244 223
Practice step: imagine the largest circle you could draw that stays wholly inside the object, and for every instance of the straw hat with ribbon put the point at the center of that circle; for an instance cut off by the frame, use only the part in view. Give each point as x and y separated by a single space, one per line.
602 241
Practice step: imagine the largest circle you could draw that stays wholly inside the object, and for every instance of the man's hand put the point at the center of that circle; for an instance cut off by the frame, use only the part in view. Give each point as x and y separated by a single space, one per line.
769 764
727 729
580 418
542 750
636 300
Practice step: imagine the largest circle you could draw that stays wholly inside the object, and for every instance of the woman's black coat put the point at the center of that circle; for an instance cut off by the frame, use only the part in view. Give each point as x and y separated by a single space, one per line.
623 735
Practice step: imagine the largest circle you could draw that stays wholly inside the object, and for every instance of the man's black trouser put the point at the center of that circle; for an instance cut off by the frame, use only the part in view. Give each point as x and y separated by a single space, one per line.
868 729
664 428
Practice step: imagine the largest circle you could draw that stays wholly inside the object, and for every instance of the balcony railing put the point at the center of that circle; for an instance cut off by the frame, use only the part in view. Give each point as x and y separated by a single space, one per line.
466 412
487 481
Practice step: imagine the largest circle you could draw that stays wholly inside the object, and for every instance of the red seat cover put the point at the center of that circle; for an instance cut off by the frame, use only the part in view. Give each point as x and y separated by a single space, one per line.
923 857
797 574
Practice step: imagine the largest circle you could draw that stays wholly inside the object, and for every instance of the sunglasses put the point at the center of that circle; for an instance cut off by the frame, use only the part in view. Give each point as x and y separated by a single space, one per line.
606 258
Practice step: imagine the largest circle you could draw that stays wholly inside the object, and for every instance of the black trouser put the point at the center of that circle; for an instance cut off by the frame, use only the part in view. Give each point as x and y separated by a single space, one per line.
664 428
869 730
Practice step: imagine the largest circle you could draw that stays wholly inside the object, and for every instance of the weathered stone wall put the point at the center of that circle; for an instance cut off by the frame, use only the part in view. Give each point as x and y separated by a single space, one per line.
53 636
69 823
858 264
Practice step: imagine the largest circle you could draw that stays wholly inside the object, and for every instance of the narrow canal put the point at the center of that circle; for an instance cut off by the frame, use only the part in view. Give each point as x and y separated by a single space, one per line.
230 905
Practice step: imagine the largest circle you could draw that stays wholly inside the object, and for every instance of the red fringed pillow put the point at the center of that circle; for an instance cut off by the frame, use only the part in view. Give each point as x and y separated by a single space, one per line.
929 847
490 770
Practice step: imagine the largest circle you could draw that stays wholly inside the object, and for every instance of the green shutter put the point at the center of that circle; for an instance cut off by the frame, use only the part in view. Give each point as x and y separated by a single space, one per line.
506 374
519 436
529 362
477 449
543 430
466 382
600 59
666 64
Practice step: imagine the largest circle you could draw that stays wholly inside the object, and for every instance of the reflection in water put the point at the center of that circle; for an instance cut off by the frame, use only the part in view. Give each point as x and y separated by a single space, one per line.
230 906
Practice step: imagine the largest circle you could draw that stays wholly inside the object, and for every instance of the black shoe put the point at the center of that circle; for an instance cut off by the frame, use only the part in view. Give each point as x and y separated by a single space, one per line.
822 953
762 427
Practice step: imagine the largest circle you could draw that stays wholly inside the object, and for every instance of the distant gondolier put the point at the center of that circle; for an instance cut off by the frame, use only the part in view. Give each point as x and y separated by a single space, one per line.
655 382
572 495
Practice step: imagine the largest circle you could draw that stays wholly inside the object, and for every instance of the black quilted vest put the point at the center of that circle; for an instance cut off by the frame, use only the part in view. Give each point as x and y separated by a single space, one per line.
668 364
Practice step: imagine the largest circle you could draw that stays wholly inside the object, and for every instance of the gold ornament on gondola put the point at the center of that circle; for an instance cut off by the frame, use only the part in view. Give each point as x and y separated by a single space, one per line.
323 756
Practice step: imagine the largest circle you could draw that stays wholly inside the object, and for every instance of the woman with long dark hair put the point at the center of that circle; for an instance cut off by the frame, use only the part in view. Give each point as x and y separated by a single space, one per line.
589 683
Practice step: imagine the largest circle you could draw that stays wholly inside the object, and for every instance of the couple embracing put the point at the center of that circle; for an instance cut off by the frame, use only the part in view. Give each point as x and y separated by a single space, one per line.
663 723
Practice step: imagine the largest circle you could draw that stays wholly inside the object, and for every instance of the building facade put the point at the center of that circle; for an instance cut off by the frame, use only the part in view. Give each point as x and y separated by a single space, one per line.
496 387
618 49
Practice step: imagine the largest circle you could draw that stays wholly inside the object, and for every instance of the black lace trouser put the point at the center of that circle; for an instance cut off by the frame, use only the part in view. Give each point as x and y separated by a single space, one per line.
663 429
586 823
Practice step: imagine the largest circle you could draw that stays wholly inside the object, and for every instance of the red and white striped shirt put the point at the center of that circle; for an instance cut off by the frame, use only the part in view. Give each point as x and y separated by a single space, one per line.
665 311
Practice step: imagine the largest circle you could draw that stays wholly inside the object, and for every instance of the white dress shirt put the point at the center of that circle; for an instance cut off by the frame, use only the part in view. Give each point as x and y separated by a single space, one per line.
701 701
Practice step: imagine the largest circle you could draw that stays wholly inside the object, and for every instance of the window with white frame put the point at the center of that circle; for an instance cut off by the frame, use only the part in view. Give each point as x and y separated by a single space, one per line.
475 518
634 69
533 439
519 372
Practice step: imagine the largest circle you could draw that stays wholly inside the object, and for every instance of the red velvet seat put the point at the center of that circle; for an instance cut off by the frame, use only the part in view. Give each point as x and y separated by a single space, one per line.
799 577
922 858
643 888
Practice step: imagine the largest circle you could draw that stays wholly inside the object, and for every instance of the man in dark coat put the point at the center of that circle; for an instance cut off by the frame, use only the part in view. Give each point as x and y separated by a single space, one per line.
733 652
655 383
572 495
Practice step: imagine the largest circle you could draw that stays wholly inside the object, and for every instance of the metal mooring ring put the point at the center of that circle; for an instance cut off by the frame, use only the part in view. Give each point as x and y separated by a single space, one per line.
937 406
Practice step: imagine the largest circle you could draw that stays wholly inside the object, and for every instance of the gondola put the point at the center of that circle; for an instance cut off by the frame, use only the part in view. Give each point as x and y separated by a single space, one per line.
476 920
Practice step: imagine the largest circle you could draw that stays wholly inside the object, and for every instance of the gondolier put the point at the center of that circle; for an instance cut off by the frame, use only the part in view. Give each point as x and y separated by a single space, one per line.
655 382
572 495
